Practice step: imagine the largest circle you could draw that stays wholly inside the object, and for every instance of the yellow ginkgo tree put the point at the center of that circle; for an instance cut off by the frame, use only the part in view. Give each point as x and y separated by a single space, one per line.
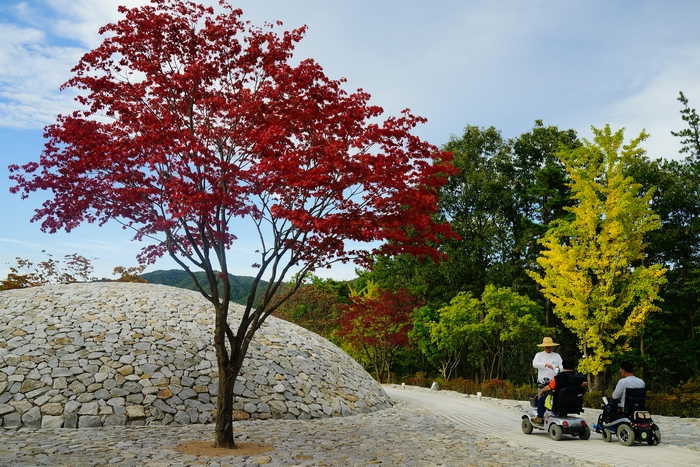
593 261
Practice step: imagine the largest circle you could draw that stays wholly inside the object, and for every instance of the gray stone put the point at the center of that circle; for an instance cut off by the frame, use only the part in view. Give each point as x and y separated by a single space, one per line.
52 421
89 408
86 397
164 407
102 394
37 392
32 418
116 401
187 381
263 407
61 372
100 377
70 420
119 392
89 421
187 393
135 398
149 369
71 406
182 418
5 409
115 420
21 406
132 387
126 359
12 420
77 387
60 383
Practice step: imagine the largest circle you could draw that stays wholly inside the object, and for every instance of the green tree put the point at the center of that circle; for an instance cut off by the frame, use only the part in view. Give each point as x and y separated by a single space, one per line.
690 136
445 338
669 342
473 202
491 336
540 194
593 264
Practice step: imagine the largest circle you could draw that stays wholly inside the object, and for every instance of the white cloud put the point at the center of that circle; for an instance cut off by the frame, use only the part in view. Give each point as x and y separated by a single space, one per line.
31 71
654 107
81 19
36 58
14 241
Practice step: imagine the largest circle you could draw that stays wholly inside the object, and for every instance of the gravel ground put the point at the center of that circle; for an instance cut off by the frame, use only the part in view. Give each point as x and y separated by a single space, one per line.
397 436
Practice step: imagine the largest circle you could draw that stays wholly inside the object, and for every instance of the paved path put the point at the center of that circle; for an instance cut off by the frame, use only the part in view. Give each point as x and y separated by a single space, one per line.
502 420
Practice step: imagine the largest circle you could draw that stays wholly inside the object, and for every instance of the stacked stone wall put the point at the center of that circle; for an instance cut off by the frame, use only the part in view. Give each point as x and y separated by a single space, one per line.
88 355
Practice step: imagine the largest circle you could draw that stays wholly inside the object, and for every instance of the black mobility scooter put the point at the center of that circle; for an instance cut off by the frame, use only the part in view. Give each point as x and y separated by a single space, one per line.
567 399
630 424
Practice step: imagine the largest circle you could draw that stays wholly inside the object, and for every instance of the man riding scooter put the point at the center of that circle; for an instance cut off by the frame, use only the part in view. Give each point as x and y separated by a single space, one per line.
627 381
548 364
567 366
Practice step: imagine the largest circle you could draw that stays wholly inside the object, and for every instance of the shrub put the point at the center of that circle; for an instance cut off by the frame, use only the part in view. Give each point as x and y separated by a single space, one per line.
418 379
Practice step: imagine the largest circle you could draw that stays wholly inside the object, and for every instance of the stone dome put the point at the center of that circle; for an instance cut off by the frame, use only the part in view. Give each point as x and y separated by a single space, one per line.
94 354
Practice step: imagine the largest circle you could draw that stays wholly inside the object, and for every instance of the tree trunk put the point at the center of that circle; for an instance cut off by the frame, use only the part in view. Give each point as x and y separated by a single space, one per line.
224 408
588 375
599 381
229 364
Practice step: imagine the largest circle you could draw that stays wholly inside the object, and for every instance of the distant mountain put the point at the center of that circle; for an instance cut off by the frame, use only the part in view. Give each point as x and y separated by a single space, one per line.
240 285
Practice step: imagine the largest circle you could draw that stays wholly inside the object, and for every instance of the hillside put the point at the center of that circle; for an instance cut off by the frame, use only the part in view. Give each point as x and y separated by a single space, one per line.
240 285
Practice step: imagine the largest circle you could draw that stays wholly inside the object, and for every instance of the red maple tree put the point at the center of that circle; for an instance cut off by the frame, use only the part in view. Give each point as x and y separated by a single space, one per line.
192 121
376 326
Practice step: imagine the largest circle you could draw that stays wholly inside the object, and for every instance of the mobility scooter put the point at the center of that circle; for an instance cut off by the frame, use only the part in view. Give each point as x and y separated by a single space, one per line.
567 399
631 424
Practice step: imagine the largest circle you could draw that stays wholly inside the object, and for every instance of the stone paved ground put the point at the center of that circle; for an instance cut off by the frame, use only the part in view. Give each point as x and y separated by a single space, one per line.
680 444
682 432
396 436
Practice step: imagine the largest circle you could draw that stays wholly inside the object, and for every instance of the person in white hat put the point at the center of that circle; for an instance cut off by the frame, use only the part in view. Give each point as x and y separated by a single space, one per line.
548 364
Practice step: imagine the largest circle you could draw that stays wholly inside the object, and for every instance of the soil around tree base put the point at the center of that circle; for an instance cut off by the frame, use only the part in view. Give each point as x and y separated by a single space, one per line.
207 448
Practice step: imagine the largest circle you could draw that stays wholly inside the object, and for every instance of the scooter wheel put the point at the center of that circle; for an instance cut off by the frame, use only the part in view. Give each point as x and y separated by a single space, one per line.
607 435
555 432
656 437
625 433
526 426
585 433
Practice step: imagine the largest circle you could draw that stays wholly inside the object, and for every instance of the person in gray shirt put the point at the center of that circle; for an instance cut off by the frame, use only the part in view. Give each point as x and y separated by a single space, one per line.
627 381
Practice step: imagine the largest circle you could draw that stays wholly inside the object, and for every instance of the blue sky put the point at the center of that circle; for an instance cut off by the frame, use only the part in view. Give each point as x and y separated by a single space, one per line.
573 64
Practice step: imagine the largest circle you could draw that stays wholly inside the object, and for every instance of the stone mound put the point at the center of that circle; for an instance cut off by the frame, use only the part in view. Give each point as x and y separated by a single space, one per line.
85 355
